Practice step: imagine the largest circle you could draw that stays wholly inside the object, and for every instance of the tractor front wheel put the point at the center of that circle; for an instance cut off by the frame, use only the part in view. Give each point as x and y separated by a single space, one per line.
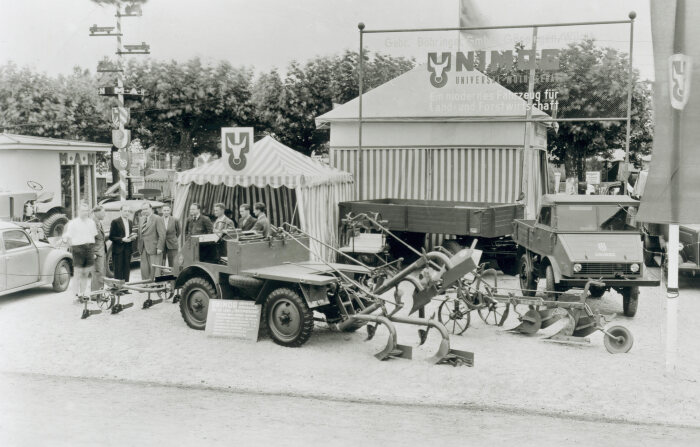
630 298
289 320
194 302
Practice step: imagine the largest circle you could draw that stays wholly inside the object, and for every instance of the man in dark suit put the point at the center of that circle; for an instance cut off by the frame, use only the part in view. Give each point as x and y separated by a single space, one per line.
151 241
198 223
122 233
262 225
172 235
246 222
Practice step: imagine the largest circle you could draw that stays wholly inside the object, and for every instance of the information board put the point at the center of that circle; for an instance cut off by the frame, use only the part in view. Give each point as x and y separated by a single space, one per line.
593 177
233 319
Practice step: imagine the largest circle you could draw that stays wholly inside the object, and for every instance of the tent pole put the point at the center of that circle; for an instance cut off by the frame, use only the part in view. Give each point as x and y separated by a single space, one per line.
632 15
361 27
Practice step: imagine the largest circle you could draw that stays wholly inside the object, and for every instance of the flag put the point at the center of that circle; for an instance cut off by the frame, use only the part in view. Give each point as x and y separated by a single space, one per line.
470 16
672 190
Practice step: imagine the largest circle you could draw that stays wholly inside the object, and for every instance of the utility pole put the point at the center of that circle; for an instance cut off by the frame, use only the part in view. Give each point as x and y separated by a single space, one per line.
121 137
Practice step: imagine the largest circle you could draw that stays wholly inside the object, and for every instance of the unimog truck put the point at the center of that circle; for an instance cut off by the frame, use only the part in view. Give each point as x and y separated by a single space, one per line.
577 238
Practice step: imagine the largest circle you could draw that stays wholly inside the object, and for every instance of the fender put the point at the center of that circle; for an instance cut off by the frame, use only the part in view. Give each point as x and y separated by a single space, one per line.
198 270
555 268
51 261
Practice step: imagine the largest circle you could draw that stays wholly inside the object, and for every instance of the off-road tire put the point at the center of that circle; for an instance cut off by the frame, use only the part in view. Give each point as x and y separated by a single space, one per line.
551 289
55 223
596 292
526 275
630 299
452 246
194 301
62 268
303 321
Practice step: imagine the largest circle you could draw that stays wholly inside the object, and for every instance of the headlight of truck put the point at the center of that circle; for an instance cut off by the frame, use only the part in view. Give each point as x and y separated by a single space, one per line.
634 268
577 268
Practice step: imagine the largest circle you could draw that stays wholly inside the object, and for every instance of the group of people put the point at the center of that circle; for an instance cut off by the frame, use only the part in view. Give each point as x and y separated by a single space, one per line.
158 239
201 224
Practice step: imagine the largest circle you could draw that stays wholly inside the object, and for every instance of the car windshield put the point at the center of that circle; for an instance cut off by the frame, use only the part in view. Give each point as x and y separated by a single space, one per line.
596 217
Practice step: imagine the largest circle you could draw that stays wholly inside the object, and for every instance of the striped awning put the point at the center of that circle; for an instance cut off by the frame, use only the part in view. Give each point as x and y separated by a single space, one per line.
270 163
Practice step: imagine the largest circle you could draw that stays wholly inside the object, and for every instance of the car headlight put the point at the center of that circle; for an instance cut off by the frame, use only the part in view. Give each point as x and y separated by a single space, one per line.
634 268
577 268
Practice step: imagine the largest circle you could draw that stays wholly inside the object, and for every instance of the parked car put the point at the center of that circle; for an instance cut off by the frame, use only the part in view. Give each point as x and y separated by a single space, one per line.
26 263
112 211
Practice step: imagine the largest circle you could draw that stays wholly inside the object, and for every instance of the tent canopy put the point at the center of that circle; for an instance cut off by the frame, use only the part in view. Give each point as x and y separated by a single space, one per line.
411 97
269 163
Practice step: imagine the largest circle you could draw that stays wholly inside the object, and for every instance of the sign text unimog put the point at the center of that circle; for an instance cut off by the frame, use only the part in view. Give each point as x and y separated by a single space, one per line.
233 319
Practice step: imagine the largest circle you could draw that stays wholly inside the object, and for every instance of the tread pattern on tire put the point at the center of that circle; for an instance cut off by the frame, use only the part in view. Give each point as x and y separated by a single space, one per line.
306 313
51 221
532 286
203 283
630 301
54 284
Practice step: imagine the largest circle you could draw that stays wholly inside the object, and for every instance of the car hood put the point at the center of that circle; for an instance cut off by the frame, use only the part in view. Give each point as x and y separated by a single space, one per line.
615 247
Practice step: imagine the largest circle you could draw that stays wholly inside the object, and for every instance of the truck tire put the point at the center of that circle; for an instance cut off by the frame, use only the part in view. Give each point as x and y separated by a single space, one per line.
630 298
526 273
289 320
54 224
551 288
194 301
596 292
452 246
61 276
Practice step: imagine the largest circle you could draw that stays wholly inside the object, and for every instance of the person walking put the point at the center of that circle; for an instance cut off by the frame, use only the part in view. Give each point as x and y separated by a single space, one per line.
172 236
247 221
197 223
80 234
100 249
222 223
121 233
262 224
151 242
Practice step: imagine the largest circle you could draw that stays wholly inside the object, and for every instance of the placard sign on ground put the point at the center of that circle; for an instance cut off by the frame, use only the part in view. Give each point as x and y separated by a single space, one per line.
233 319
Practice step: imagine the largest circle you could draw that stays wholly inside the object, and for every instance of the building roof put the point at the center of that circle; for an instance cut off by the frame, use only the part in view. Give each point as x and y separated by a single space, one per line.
269 163
411 97
548 199
10 141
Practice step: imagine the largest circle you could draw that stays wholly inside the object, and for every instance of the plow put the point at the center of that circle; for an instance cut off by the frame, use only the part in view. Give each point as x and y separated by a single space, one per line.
109 297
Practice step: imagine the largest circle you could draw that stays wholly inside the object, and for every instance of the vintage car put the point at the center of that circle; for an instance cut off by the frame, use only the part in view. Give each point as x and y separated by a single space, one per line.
656 246
26 263
112 211
576 238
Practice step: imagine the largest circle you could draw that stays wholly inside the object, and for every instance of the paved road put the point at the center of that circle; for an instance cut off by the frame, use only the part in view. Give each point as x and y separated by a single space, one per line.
44 410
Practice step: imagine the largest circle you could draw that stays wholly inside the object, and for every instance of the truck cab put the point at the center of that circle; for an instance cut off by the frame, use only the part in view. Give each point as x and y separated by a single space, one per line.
578 238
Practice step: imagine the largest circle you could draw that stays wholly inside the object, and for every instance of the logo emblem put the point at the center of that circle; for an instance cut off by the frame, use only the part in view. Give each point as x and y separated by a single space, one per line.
120 116
236 142
680 69
602 246
120 160
121 138
438 68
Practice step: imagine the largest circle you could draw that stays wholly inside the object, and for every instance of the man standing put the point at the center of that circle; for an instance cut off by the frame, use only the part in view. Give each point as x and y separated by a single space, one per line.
222 223
262 224
100 249
197 223
151 241
121 233
172 236
80 234
246 222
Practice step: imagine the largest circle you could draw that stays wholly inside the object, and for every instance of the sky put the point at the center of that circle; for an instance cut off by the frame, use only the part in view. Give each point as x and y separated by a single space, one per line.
52 35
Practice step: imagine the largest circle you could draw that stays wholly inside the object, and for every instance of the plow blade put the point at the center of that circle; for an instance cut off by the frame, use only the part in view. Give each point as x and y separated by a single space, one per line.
549 317
423 297
585 326
454 357
530 323
120 307
392 349
87 313
149 302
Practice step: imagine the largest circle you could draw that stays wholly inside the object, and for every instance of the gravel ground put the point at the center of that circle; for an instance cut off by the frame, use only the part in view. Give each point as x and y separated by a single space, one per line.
42 333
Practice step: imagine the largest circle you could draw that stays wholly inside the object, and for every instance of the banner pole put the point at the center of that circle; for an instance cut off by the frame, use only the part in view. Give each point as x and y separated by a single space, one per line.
360 179
632 16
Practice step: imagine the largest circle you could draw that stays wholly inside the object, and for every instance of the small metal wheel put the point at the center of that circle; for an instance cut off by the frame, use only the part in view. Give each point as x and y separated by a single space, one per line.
455 315
494 313
620 342
105 300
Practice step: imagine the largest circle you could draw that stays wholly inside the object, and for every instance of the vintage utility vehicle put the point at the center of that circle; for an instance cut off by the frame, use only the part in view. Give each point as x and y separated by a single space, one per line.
26 263
577 238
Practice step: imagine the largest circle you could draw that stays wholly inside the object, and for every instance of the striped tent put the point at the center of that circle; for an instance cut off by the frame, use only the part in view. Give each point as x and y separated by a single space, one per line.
295 189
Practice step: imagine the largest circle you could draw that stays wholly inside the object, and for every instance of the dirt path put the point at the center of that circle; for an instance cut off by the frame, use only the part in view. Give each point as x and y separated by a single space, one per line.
42 410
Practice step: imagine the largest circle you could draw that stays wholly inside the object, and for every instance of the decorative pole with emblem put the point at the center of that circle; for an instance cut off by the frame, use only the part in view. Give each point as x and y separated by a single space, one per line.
121 137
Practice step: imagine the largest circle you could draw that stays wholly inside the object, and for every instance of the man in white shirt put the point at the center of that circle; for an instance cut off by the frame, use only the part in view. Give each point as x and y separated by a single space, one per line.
80 234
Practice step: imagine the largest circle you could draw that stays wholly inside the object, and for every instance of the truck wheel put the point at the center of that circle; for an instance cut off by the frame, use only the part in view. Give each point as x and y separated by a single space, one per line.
596 292
289 320
54 225
194 302
61 276
550 286
630 298
526 272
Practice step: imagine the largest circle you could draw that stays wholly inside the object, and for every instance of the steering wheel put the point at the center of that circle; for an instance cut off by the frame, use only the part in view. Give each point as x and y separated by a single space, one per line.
35 185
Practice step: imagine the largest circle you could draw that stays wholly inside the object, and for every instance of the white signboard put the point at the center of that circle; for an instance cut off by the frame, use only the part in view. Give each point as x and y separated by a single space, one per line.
593 177
233 319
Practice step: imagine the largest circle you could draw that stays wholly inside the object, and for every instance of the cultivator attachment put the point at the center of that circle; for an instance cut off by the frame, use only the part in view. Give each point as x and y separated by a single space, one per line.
109 298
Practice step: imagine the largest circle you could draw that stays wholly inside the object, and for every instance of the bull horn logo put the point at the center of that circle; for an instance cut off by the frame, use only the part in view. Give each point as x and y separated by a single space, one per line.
438 68
237 159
